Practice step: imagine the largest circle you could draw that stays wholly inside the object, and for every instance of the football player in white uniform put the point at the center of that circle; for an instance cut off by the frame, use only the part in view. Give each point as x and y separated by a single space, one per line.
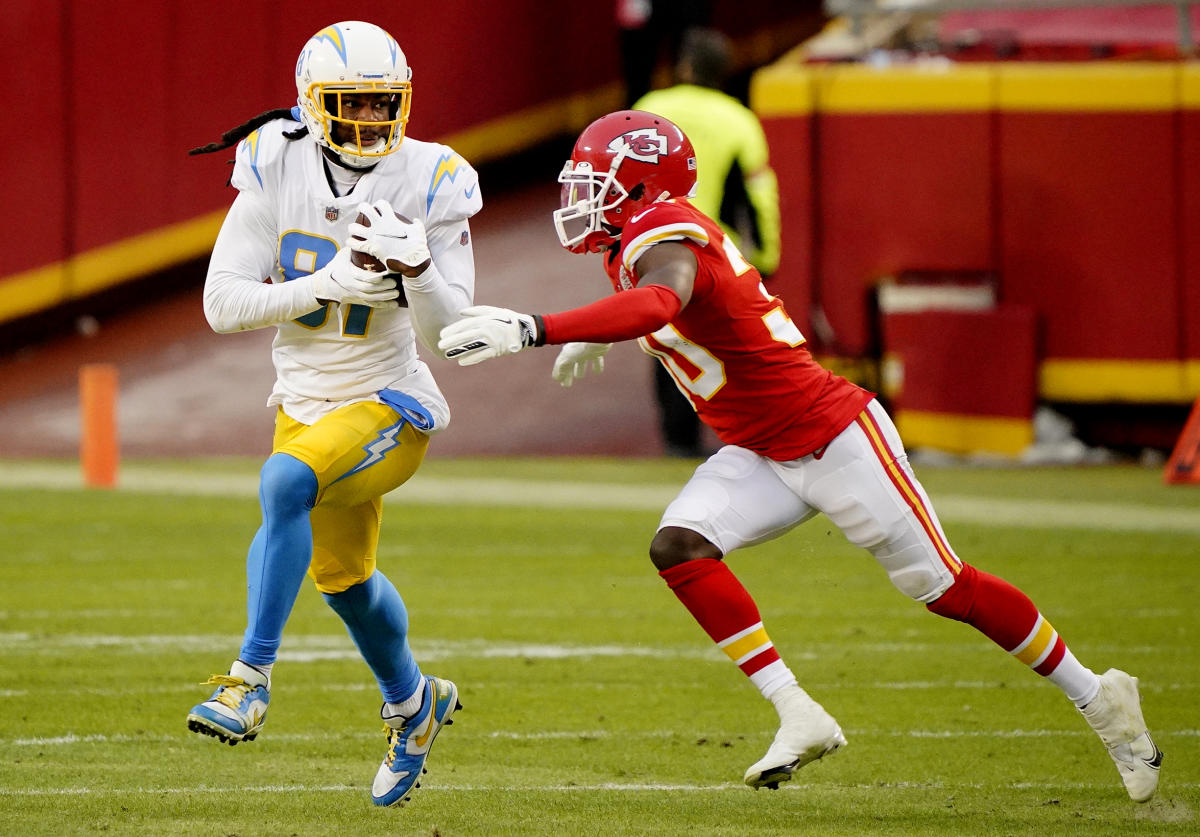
355 404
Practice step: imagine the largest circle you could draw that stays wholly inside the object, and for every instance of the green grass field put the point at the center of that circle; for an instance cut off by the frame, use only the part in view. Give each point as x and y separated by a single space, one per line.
593 703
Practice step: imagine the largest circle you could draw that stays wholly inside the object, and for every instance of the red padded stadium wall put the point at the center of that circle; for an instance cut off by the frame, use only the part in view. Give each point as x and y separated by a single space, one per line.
1188 166
979 363
1088 230
1077 183
790 141
125 87
896 191
194 76
32 164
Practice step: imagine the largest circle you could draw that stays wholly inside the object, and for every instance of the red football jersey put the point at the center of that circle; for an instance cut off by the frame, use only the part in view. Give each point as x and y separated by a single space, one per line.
733 350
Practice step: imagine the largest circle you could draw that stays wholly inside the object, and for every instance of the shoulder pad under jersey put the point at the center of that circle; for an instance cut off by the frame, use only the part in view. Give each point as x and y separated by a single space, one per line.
447 184
257 165
662 221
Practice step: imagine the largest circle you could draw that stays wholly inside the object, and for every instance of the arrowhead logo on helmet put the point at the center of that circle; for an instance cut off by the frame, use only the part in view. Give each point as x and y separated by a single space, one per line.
646 145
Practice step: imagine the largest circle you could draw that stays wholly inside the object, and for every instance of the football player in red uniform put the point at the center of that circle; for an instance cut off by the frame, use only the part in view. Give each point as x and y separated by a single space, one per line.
798 440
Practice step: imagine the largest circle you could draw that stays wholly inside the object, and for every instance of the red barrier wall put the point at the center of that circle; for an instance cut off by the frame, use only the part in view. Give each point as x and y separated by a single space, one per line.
1087 224
1187 163
33 163
1079 184
962 381
897 192
121 89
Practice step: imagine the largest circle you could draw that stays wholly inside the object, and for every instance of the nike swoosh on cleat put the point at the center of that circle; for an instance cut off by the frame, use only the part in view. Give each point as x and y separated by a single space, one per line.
423 739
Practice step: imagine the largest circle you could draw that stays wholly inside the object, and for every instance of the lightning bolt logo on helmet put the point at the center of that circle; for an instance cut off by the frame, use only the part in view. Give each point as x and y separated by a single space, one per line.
334 36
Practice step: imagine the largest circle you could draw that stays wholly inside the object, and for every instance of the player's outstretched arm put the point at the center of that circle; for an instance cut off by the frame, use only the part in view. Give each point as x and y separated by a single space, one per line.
485 332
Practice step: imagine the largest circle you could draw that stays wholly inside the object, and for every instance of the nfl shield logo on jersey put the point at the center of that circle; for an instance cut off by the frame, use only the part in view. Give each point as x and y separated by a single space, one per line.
332 213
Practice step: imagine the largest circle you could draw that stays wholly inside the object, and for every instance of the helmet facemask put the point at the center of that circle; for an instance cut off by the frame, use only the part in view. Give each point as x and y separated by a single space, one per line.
586 196
323 113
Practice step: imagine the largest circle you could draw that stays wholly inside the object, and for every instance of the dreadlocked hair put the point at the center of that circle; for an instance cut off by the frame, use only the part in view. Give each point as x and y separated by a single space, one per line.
236 135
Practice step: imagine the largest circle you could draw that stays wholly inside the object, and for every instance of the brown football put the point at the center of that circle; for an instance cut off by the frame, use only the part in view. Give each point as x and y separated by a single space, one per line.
369 262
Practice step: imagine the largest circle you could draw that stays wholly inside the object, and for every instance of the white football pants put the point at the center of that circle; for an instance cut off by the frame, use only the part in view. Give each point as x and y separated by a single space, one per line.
862 481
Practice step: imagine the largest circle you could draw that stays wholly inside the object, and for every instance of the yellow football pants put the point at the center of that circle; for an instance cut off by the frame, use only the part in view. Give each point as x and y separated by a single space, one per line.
359 452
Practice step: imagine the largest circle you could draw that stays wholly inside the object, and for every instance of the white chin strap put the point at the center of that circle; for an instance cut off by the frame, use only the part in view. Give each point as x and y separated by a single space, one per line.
356 161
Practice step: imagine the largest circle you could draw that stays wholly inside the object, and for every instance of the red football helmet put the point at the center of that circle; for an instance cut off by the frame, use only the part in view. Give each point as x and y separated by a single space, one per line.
621 164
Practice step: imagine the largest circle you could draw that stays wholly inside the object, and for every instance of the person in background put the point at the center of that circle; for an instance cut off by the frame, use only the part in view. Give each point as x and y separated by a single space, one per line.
735 186
648 30
799 441
323 189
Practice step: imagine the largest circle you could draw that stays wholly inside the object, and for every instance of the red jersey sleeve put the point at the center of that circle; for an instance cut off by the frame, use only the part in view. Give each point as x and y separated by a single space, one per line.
614 318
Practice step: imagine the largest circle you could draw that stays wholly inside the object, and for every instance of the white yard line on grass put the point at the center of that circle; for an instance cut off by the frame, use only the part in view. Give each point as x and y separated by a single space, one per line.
442 491
72 739
614 787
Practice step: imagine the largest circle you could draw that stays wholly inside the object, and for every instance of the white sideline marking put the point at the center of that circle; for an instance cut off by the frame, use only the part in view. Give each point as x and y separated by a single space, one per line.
425 490
316 647
71 739
618 787
305 648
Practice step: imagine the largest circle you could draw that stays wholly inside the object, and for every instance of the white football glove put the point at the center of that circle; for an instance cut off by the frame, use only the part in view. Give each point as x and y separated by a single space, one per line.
485 332
343 281
389 238
574 360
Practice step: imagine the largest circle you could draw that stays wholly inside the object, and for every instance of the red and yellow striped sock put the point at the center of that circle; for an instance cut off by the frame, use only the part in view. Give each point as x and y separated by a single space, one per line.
728 614
1010 619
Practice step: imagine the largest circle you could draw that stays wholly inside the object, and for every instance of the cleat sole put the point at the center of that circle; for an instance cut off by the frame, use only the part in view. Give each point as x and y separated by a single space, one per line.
199 726
772 779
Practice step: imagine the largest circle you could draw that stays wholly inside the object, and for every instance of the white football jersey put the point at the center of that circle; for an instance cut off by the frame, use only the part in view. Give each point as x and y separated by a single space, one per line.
286 222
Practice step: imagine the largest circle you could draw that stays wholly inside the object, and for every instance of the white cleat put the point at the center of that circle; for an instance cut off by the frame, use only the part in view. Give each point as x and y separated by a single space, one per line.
806 733
1116 716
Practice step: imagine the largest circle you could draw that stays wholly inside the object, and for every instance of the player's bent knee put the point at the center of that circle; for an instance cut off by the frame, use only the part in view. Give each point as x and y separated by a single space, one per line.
919 583
915 572
672 545
337 583
957 601
343 594
286 483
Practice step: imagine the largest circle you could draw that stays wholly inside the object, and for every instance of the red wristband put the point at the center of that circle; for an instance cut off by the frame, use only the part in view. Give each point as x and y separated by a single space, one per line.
622 316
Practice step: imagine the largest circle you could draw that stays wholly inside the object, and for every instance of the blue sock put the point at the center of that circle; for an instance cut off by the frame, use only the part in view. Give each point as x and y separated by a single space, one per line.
377 621
279 554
